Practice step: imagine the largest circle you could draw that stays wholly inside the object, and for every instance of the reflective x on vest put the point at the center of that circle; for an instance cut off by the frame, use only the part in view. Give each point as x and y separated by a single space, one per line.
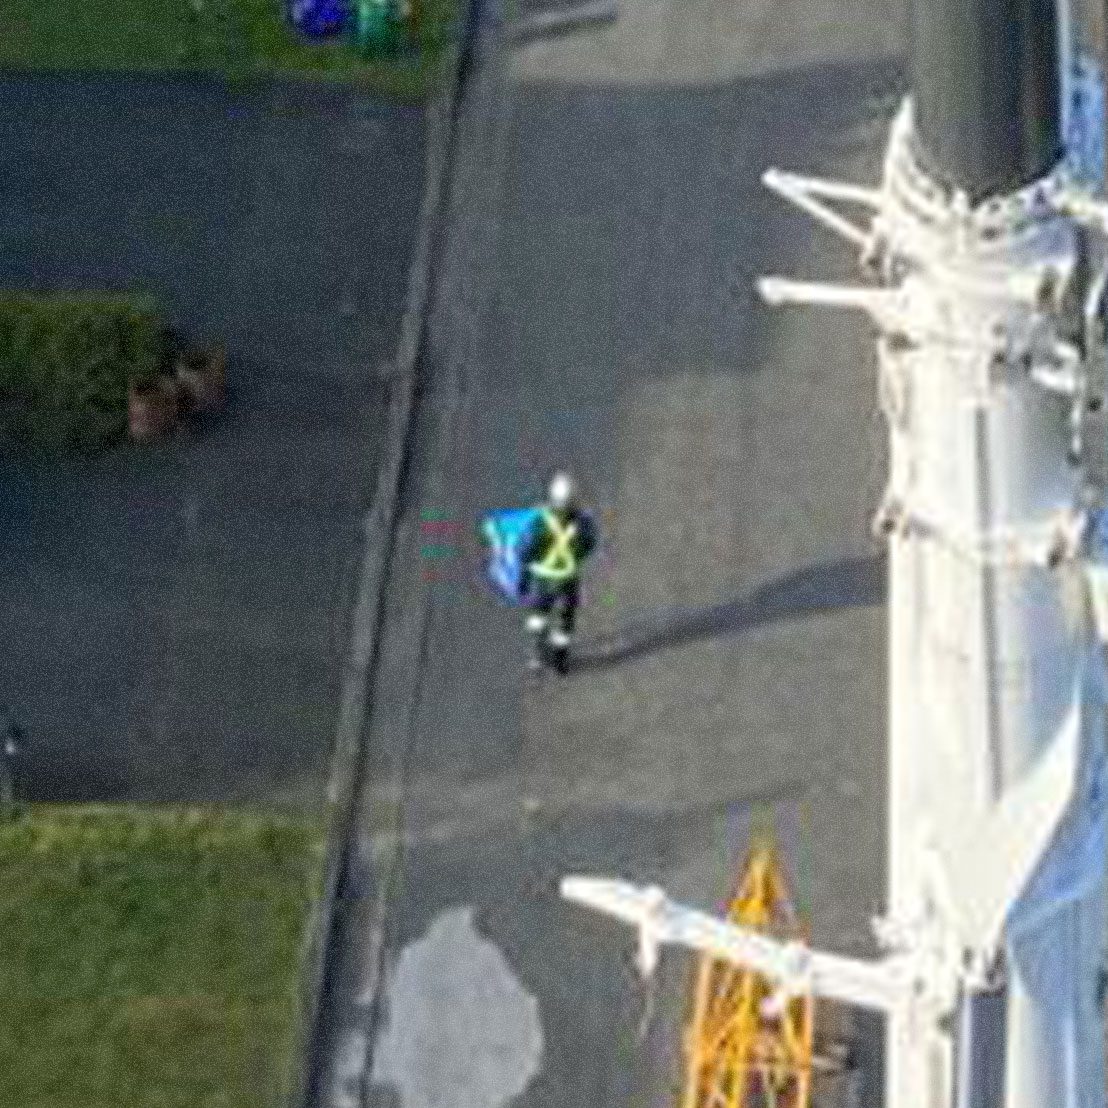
559 563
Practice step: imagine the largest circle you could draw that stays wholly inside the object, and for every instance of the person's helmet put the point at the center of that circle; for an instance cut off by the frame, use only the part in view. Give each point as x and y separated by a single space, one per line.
561 492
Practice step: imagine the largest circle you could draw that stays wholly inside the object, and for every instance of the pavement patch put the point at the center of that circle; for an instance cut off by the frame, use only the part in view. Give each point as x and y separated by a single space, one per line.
462 1030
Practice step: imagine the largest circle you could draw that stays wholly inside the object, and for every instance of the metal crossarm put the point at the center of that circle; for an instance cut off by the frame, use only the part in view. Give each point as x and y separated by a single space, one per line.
794 967
802 191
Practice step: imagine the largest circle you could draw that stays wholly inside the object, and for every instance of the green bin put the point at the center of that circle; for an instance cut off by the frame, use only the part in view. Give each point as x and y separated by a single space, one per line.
378 25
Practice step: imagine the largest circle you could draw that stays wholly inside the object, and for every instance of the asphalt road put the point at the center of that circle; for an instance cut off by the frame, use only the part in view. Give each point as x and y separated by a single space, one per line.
176 616
598 310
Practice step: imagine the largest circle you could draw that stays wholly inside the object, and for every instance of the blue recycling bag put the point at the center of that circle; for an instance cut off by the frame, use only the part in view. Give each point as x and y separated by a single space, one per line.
507 533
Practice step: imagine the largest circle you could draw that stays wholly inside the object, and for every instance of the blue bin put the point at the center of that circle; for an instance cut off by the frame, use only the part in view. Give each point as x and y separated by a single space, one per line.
319 18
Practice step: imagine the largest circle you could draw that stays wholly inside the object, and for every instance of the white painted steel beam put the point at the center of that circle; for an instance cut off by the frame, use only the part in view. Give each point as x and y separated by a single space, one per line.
795 968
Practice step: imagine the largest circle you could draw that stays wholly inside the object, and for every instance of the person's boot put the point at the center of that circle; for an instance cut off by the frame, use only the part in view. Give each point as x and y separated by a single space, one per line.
537 626
559 652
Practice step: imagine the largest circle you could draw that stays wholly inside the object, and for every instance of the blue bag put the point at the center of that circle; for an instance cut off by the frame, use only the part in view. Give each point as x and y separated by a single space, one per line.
507 533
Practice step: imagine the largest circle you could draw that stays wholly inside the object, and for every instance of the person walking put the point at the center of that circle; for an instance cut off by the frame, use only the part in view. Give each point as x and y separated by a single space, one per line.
552 559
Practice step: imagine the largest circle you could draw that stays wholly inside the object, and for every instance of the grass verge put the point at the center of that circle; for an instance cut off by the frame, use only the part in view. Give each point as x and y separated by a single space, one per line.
239 39
152 957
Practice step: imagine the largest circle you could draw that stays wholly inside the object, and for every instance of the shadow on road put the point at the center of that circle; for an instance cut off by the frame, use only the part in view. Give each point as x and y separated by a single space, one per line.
813 590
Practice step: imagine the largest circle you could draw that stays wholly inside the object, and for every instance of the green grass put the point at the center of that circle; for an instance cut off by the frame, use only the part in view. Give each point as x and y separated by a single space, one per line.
152 958
236 38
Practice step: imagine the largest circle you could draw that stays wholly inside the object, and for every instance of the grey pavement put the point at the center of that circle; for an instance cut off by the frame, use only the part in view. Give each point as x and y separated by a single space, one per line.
175 616
601 312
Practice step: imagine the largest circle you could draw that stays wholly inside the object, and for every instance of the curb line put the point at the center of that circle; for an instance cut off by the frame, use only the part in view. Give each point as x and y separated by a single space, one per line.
581 17
378 531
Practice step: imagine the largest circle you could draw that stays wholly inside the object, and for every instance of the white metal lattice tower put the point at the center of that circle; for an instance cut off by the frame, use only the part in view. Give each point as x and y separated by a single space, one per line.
991 350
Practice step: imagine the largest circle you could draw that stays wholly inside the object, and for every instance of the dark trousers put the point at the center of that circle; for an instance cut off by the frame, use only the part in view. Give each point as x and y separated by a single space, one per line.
559 603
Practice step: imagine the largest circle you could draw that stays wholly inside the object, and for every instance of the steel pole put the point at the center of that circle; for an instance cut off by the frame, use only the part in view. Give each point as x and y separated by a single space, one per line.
986 77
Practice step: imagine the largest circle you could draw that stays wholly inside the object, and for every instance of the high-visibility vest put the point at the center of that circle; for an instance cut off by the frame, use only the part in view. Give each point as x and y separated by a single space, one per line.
559 563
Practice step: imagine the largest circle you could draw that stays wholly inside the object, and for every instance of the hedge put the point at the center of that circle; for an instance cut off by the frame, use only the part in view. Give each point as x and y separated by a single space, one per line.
67 359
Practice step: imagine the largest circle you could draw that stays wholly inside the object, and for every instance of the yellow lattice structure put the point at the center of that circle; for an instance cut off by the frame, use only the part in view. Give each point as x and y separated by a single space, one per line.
737 1055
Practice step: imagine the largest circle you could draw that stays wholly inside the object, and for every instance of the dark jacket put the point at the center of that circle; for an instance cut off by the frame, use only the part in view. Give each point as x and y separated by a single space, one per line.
581 545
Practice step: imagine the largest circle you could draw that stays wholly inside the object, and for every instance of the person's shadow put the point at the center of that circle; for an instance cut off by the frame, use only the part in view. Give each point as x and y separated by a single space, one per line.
844 583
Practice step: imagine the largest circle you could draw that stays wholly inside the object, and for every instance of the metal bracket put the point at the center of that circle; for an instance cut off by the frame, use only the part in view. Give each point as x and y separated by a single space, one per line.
1047 548
803 192
1096 312
1061 374
1083 207
894 386
650 932
883 306
890 518
893 936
